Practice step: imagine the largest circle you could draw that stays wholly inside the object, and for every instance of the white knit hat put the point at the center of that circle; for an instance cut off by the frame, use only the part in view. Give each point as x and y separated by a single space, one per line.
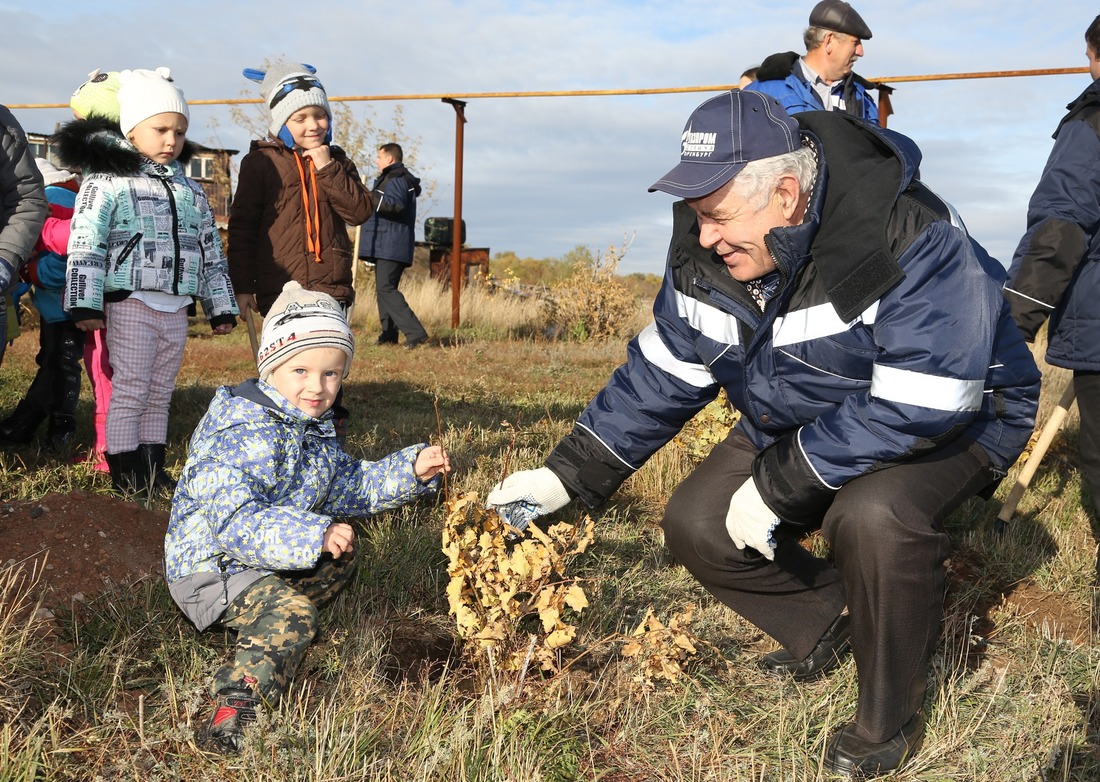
143 94
51 174
287 88
300 320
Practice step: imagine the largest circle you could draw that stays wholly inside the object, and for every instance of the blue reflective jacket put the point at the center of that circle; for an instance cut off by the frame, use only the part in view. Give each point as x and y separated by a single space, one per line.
888 336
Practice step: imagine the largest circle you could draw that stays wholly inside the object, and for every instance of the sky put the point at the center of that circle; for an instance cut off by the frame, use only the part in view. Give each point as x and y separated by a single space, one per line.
543 175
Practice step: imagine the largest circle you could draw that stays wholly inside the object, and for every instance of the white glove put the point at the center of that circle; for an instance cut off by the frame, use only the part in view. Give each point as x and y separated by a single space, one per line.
750 522
526 495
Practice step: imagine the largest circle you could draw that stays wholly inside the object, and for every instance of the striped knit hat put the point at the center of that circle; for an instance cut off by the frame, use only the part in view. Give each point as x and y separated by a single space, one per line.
300 320
287 88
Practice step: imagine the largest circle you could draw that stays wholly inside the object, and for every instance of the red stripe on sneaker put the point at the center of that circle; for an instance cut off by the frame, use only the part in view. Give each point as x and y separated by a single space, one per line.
222 714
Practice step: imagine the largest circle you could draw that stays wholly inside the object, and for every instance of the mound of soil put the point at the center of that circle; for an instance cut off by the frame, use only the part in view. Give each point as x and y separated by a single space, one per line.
80 542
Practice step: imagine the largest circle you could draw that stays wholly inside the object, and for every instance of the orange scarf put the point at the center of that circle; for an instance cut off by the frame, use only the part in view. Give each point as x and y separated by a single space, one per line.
313 222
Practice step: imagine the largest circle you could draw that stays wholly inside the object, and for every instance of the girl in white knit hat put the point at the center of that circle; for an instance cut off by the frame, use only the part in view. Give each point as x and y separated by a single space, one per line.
143 248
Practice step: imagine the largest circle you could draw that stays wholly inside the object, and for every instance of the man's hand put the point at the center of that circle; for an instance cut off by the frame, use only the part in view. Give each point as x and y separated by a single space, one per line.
750 522
339 539
526 495
223 328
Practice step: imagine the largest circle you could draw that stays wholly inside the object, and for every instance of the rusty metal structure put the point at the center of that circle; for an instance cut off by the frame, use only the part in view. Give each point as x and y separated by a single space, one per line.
459 101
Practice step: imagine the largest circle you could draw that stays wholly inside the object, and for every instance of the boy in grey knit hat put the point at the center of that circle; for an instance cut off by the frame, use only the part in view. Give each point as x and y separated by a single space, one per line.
296 195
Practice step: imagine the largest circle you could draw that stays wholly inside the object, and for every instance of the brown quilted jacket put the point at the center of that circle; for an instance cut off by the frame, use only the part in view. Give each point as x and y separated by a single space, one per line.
273 233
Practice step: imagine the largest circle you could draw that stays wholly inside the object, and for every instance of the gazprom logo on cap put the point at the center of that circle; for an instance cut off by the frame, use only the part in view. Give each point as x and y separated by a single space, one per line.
693 144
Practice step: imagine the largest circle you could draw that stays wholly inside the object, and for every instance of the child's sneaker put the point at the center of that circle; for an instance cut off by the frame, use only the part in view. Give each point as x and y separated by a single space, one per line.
235 708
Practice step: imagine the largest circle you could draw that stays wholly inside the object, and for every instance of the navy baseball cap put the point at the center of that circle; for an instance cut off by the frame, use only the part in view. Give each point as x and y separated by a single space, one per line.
722 135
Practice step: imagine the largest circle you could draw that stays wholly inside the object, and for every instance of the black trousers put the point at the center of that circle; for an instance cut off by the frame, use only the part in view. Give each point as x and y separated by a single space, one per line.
1087 386
394 312
56 386
888 547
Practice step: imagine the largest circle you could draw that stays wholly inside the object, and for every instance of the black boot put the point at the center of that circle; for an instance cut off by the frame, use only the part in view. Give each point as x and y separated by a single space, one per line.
19 427
152 464
127 472
60 432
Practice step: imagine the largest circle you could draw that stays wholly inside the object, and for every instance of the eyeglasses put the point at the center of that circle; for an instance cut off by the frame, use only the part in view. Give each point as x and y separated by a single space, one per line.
305 83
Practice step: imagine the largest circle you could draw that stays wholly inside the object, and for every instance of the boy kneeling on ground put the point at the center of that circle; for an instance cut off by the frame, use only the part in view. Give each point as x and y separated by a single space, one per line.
251 542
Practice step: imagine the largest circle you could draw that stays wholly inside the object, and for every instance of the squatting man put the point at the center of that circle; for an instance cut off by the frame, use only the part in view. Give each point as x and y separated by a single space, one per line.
824 287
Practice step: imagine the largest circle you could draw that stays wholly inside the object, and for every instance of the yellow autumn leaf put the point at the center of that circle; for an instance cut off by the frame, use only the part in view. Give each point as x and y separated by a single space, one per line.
550 618
575 598
560 637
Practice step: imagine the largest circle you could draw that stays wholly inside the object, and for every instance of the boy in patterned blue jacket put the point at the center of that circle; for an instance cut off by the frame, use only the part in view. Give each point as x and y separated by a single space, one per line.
251 542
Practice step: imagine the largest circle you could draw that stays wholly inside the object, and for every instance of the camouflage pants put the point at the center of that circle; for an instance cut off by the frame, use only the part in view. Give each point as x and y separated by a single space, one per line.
276 619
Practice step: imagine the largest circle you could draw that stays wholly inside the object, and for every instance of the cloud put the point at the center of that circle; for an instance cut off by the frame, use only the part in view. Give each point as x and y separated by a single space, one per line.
542 175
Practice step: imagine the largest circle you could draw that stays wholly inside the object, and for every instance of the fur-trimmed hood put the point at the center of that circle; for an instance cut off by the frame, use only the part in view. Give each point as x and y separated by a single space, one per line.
96 146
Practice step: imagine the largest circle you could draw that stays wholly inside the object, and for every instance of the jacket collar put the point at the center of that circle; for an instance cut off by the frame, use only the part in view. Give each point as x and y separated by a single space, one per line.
1090 97
265 395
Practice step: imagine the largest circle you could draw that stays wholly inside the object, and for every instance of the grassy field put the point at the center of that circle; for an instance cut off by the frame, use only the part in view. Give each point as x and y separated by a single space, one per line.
386 692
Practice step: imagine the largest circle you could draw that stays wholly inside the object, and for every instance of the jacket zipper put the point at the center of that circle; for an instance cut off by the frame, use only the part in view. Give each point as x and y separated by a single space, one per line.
126 250
177 270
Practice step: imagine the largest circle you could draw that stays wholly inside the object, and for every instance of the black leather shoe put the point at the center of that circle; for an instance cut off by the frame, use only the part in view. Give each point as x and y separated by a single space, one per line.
830 650
847 753
387 339
414 344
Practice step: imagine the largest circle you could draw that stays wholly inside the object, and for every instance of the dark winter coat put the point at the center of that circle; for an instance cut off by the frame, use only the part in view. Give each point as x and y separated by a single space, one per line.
23 205
1055 272
268 223
390 233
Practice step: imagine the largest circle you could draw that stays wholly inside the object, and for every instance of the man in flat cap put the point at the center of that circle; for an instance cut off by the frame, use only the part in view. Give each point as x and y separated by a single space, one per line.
813 277
823 79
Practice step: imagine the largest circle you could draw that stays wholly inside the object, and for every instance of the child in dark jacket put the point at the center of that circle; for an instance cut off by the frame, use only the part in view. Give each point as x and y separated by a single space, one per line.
55 391
252 543
296 195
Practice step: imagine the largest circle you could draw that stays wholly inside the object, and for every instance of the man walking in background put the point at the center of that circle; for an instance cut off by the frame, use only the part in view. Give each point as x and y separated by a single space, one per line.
387 241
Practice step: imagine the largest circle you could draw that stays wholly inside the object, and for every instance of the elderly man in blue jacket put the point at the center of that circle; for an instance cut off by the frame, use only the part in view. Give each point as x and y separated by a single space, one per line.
1055 272
863 336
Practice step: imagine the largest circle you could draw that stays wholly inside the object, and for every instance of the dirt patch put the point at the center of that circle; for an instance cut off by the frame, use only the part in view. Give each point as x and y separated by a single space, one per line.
1050 611
81 542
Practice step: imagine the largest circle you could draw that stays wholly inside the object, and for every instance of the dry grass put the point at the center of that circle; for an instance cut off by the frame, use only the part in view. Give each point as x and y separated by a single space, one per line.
384 696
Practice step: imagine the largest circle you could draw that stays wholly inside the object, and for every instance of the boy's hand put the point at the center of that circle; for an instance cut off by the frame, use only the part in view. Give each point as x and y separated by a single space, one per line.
339 539
430 462
320 155
246 302
224 328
